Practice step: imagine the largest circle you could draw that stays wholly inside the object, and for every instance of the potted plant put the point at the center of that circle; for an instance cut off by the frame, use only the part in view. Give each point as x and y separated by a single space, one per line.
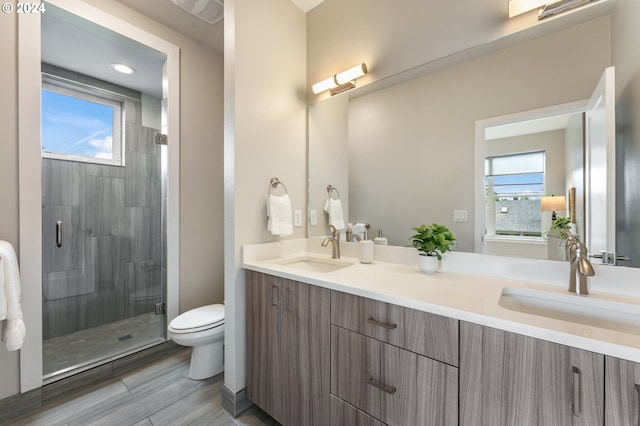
562 223
432 241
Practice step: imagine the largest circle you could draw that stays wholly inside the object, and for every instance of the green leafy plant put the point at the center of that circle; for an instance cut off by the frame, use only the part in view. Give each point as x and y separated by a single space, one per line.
562 223
433 239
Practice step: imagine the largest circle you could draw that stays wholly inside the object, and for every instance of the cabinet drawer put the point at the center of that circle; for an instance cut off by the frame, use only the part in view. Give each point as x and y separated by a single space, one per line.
427 334
393 385
343 414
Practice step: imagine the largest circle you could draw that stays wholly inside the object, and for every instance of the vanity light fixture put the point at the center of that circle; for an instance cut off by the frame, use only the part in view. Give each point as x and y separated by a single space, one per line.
553 204
546 7
123 68
340 82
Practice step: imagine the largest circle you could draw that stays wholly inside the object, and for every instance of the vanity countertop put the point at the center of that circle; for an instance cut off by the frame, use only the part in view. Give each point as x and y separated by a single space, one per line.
465 296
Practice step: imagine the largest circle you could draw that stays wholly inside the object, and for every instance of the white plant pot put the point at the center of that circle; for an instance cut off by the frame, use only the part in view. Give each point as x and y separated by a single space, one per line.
429 264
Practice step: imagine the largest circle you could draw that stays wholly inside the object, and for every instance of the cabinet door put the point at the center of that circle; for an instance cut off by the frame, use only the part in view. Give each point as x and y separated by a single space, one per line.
622 393
508 379
305 339
343 414
425 391
355 360
263 343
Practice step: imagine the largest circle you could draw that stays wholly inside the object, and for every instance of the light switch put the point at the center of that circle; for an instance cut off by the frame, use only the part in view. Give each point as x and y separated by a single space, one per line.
297 218
313 217
460 216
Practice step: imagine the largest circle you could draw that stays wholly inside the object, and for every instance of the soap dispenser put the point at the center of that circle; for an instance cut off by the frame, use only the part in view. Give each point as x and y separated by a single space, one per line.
380 239
365 247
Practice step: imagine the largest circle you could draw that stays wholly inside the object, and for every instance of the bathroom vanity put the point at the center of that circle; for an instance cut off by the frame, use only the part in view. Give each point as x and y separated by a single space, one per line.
342 343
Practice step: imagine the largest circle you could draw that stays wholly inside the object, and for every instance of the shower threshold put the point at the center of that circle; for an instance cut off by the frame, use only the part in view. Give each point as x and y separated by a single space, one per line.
70 354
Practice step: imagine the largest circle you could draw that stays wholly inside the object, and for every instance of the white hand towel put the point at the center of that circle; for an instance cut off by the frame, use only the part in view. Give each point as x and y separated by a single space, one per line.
358 229
10 310
280 219
334 209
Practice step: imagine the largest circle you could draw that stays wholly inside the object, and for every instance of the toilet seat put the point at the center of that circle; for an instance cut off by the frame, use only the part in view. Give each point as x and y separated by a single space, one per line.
199 319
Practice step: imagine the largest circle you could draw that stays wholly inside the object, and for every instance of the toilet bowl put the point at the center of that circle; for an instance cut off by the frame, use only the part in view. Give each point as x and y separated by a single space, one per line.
203 329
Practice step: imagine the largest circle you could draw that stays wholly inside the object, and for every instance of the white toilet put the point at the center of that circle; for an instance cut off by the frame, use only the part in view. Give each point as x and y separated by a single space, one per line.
202 328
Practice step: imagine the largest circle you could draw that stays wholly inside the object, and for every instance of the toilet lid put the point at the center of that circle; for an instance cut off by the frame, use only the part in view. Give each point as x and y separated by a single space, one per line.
199 317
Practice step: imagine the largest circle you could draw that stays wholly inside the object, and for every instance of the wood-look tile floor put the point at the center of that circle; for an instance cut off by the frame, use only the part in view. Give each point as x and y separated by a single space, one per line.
158 394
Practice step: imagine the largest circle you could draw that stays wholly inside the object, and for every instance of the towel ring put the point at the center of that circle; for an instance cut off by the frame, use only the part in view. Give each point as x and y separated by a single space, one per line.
331 189
274 184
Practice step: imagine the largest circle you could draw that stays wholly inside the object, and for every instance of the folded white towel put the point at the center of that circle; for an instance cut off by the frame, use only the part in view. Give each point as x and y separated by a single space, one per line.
280 219
10 310
334 209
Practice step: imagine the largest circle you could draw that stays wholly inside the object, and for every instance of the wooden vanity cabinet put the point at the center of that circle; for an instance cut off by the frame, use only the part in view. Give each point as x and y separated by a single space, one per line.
509 379
391 382
622 396
288 354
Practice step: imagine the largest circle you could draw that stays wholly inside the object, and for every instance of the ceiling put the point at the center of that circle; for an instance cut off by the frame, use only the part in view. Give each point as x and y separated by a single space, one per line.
178 19
527 127
75 44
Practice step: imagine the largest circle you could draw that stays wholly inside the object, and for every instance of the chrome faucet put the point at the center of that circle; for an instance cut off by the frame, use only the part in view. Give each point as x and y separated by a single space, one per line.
580 265
335 242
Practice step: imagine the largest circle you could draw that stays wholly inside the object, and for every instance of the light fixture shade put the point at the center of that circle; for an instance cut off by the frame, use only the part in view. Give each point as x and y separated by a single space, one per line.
553 204
340 82
323 85
351 74
518 7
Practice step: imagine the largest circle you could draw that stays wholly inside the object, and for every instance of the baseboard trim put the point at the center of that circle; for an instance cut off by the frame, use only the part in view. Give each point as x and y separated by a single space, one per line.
235 403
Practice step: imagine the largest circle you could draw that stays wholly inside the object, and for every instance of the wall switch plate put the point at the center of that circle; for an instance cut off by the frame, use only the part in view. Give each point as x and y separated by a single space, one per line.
313 217
297 218
460 216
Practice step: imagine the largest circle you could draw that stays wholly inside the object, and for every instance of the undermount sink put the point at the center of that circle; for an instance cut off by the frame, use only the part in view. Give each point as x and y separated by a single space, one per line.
595 312
313 264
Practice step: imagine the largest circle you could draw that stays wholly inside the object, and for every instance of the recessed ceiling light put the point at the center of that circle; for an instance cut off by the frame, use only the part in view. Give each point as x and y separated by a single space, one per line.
125 69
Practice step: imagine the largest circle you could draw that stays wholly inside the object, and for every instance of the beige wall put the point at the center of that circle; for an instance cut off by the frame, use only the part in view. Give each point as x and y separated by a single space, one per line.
201 165
412 145
265 137
9 220
201 186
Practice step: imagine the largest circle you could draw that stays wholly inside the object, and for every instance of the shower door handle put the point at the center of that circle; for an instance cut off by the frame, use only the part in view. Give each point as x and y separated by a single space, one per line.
59 234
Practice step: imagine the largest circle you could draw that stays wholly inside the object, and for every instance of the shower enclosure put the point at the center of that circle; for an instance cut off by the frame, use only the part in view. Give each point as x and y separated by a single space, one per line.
102 254
104 208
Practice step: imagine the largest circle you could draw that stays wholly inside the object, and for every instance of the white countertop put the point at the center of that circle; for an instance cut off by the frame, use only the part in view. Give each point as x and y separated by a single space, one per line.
465 296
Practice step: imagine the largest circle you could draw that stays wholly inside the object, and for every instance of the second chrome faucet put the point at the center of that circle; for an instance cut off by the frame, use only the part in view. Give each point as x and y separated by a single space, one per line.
335 242
580 265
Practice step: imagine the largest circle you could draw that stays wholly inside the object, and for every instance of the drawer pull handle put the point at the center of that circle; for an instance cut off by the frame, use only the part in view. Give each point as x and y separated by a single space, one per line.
576 391
58 234
637 386
382 324
274 295
388 389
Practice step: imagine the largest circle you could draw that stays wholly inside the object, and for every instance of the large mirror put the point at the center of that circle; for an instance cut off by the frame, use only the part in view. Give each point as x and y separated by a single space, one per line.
405 154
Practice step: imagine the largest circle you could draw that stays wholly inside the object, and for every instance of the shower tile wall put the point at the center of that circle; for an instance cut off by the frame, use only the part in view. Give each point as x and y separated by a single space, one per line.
109 266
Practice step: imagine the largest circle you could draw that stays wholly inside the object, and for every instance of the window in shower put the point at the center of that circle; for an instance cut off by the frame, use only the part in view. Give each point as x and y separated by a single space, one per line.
80 123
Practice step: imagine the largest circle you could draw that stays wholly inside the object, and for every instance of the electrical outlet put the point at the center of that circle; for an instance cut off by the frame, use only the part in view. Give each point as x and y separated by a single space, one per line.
460 216
313 217
297 218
